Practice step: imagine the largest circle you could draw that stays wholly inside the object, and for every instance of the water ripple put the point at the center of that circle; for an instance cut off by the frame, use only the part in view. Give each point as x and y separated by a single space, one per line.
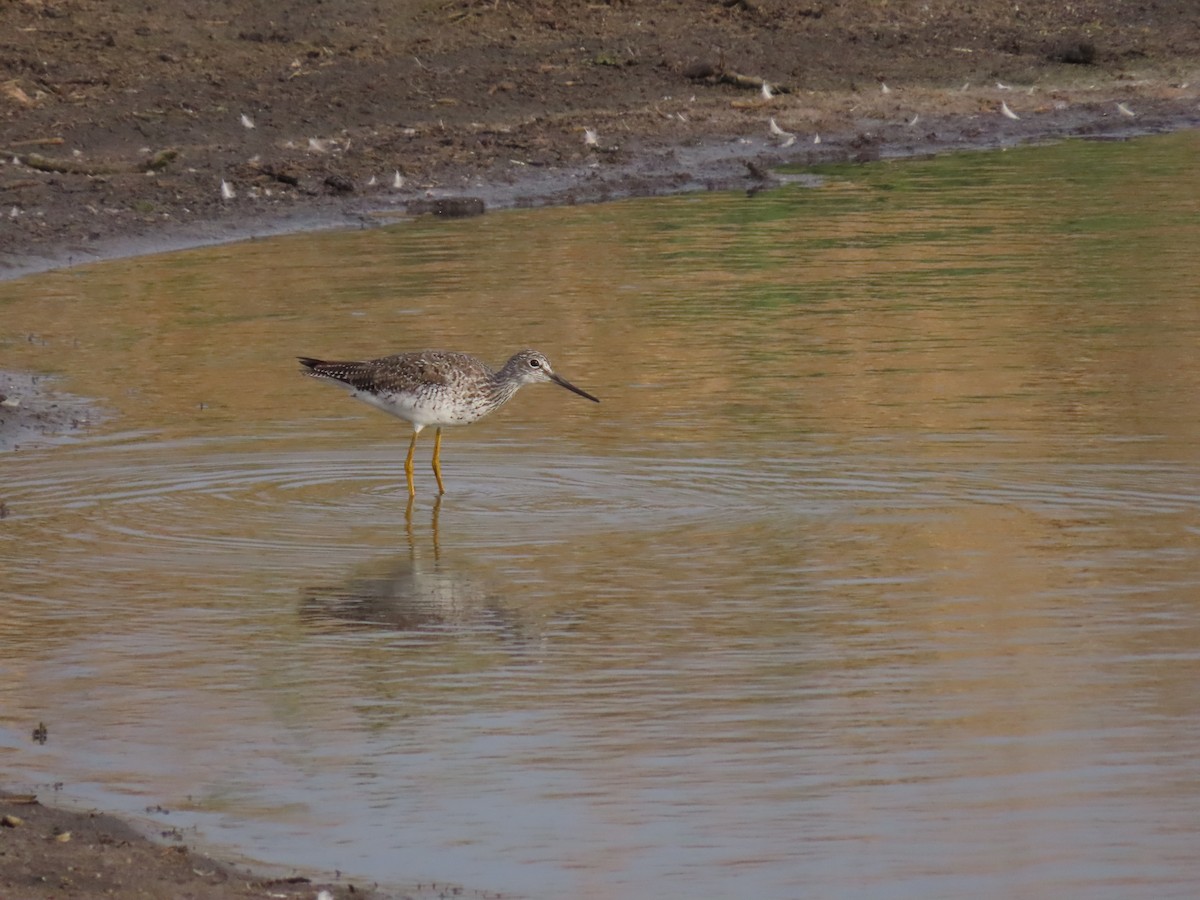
292 504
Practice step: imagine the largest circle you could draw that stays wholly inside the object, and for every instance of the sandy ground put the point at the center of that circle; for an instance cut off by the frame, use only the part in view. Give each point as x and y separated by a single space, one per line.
133 127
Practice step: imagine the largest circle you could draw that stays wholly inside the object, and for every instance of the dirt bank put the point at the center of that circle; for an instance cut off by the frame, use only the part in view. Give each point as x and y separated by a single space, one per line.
55 853
129 127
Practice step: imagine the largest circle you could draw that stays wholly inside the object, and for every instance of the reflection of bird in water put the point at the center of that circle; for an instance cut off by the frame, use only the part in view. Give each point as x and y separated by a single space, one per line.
437 387
402 594
408 593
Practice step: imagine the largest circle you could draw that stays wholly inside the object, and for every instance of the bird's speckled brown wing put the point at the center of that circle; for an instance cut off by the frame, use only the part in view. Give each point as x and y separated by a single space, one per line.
399 373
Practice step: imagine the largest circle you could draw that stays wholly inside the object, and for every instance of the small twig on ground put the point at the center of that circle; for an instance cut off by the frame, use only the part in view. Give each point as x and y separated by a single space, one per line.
39 142
155 163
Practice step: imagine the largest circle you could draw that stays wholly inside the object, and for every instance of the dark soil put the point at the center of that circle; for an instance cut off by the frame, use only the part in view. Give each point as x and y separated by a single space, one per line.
53 853
121 122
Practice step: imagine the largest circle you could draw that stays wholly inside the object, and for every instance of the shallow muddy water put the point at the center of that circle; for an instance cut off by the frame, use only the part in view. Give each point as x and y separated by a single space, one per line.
876 573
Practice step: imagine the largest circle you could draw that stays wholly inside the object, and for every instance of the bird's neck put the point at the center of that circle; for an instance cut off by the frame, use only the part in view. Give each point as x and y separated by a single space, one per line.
503 388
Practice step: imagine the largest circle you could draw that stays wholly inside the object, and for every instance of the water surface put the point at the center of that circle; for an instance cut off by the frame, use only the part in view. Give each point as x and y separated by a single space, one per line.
875 573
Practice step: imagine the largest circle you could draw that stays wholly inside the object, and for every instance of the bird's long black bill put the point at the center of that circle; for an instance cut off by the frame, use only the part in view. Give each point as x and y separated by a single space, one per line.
558 379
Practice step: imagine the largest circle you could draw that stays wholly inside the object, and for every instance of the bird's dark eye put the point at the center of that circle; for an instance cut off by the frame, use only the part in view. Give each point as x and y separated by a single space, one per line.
535 363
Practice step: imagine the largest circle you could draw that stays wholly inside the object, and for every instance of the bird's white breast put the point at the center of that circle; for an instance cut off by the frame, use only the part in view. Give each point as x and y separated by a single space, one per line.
424 408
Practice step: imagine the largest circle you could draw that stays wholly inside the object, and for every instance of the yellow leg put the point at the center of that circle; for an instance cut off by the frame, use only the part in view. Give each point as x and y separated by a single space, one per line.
437 461
408 465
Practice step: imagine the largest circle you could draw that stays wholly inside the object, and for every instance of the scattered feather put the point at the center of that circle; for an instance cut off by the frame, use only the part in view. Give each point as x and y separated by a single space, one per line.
914 120
767 93
317 146
1003 87
227 191
397 180
590 139
247 122
371 181
966 86
14 212
816 139
1125 110
788 137
1008 113
883 87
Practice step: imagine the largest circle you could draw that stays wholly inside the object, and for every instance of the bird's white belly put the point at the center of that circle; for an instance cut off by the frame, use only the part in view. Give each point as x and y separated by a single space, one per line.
423 409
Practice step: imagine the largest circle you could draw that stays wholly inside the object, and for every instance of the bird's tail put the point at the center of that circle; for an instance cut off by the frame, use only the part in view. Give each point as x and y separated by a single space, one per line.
354 374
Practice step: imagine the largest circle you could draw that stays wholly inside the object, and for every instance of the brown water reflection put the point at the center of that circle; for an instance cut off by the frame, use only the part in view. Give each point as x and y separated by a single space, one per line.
875 574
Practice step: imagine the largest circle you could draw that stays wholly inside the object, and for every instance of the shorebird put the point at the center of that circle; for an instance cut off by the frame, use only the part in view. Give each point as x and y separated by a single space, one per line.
436 387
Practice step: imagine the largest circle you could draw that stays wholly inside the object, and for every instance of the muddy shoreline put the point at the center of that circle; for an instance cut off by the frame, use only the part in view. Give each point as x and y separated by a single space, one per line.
129 129
646 167
52 852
